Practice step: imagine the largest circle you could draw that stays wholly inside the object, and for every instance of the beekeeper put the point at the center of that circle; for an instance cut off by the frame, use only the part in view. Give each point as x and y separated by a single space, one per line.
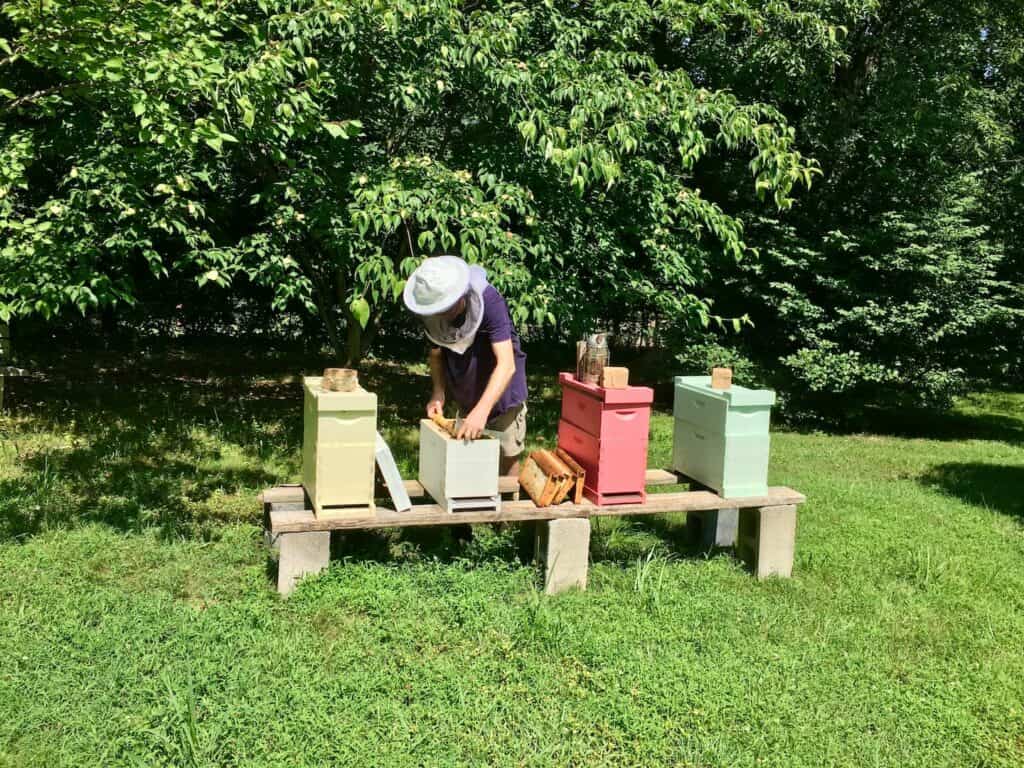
476 356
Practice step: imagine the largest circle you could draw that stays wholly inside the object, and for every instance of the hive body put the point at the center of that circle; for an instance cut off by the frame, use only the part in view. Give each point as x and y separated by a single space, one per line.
459 474
606 431
721 436
339 439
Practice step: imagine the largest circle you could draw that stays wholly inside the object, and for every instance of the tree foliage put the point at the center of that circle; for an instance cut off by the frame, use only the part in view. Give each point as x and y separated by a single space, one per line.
607 161
894 283
321 147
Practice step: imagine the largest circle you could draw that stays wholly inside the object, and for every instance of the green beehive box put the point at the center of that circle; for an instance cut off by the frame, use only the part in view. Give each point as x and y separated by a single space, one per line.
338 445
721 436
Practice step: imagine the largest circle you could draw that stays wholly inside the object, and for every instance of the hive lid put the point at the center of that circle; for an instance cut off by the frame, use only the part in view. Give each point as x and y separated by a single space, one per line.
735 396
630 395
356 400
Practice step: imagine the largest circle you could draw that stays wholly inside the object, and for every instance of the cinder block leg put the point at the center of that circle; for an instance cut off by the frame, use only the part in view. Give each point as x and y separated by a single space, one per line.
301 554
694 525
281 498
767 539
273 540
719 527
564 548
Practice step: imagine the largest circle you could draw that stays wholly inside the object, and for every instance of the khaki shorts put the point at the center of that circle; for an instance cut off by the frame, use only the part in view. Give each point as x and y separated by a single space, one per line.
510 429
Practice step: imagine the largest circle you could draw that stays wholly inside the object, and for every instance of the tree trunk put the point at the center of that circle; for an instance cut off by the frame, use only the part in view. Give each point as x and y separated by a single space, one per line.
324 308
5 356
354 342
5 342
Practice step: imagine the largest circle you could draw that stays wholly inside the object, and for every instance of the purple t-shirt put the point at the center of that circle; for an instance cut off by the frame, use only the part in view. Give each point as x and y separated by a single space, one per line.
469 373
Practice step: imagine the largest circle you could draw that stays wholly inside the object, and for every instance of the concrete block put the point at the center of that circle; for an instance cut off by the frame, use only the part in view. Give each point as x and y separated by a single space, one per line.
767 539
300 554
564 548
273 540
718 527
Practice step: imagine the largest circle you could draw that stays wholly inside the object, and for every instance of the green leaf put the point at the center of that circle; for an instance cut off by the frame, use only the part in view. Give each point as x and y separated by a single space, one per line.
335 129
361 311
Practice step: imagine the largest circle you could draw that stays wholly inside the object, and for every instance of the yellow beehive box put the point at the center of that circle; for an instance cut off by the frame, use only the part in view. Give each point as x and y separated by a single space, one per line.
338 442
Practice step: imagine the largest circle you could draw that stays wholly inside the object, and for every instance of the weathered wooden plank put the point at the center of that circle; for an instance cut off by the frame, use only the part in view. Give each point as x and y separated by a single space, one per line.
524 510
661 477
283 494
506 484
700 501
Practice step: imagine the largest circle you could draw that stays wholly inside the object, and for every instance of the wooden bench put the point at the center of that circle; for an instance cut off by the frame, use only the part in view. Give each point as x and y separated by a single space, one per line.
763 528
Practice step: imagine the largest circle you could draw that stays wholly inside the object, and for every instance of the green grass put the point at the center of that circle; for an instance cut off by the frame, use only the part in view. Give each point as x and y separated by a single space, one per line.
138 625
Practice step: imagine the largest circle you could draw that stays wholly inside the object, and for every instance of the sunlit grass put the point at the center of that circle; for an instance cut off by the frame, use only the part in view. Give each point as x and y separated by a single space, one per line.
138 625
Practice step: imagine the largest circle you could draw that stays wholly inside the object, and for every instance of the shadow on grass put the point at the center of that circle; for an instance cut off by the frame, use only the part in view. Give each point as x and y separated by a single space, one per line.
984 416
614 541
143 452
170 444
994 486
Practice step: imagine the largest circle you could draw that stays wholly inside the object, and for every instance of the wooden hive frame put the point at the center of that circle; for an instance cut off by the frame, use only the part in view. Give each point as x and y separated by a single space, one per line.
549 476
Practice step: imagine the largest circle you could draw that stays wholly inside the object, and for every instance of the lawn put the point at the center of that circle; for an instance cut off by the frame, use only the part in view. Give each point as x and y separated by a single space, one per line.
138 625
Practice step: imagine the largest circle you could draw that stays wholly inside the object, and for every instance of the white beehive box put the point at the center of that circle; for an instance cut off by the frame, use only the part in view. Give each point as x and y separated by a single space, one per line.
338 446
459 474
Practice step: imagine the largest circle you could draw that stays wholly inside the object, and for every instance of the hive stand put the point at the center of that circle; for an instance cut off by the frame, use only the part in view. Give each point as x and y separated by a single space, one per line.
767 527
767 539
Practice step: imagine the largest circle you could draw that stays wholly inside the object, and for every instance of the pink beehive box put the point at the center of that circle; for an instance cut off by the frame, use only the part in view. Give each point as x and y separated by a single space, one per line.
606 431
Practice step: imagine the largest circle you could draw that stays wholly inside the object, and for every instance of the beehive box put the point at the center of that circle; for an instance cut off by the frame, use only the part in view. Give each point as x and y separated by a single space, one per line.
721 436
338 444
459 474
606 432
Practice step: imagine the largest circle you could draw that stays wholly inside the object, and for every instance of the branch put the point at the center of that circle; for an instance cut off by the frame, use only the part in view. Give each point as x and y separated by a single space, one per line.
33 96
408 237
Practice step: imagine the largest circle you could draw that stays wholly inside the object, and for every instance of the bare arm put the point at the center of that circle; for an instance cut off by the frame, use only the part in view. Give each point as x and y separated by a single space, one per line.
436 362
504 369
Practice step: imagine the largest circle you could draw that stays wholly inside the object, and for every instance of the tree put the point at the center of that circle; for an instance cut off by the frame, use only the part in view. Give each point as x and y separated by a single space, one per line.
893 283
322 147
